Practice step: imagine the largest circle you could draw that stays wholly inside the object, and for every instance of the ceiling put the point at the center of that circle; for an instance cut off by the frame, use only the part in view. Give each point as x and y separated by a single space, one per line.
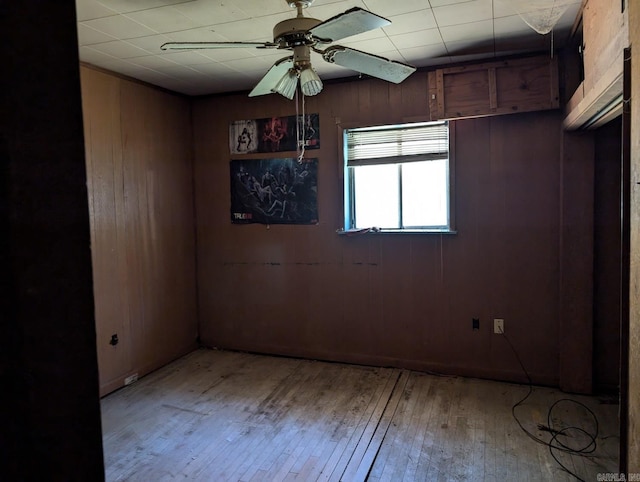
124 36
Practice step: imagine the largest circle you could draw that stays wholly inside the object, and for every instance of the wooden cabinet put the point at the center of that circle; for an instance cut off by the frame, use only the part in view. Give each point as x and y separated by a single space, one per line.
494 88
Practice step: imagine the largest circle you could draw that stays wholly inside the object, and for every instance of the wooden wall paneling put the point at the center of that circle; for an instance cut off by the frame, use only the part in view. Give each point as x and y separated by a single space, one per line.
101 105
415 98
605 35
576 262
138 243
398 315
139 151
381 107
531 232
364 109
167 217
426 299
412 304
633 449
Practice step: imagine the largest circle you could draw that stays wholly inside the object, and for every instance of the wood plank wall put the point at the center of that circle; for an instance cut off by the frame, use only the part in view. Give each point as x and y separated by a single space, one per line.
606 35
403 300
138 154
634 286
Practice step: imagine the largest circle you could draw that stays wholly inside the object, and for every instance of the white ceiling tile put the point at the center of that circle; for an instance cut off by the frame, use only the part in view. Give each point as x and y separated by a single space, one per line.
163 19
262 8
120 49
151 43
201 34
215 68
257 29
177 71
126 6
411 22
323 10
471 47
117 65
90 9
442 3
93 56
388 8
416 39
120 27
468 12
205 12
421 56
381 44
474 31
88 35
189 57
222 55
129 42
504 8
152 62
246 66
513 26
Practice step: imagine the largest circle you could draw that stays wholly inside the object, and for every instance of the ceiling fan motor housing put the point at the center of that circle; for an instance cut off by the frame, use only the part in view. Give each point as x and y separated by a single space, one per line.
295 31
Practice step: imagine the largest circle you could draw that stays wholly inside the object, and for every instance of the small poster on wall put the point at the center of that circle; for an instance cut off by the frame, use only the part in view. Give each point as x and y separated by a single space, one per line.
274 191
274 134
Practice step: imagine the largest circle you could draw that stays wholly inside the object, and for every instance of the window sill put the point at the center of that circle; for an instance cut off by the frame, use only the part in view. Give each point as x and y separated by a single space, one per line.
357 232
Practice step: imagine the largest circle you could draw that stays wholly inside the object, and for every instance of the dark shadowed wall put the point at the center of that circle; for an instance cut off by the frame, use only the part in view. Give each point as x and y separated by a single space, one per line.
607 268
50 412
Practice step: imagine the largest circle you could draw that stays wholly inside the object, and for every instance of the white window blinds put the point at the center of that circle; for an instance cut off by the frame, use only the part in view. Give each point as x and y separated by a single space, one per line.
389 145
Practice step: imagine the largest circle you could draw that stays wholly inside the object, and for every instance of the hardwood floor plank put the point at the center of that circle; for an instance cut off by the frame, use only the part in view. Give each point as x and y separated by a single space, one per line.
226 416
381 431
373 426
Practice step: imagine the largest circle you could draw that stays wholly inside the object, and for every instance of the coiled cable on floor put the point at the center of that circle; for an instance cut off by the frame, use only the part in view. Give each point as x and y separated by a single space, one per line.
555 443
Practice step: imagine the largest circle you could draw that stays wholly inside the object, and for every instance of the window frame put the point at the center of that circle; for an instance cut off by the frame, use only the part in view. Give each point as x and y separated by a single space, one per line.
348 206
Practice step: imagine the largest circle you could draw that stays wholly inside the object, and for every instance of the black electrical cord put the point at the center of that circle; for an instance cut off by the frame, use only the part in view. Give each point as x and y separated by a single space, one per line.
555 443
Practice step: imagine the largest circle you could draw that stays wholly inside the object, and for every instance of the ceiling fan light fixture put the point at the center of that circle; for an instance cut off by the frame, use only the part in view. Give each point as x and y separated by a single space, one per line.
287 85
310 82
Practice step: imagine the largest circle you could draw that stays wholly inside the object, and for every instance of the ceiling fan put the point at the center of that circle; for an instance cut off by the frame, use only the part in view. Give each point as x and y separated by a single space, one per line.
302 35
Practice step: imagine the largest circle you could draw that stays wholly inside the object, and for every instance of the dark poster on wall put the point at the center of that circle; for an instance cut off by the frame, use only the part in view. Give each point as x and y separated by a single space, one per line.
274 134
274 191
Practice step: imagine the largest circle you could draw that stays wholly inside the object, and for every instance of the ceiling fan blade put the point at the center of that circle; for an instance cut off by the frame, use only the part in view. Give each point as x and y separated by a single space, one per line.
369 64
216 45
272 77
352 22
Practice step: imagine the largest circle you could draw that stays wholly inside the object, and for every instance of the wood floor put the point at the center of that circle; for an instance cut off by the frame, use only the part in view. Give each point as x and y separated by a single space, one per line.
226 416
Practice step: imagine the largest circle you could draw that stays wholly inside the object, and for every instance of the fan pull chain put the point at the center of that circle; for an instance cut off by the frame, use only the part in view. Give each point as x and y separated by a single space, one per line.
300 148
302 141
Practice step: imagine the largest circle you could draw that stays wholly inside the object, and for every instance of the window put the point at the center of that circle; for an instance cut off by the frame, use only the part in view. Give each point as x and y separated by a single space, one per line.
397 177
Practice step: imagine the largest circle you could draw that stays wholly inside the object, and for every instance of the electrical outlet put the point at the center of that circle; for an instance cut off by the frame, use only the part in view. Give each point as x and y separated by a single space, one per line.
498 326
131 379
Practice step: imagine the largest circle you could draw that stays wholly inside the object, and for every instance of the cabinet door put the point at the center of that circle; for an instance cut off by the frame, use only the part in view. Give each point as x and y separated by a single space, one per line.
494 88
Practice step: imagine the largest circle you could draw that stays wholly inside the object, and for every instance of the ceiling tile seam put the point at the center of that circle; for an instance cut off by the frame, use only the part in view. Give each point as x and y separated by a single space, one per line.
119 12
493 26
446 49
